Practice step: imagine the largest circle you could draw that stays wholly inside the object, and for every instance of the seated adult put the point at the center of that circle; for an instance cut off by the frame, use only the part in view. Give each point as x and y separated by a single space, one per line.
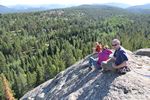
119 60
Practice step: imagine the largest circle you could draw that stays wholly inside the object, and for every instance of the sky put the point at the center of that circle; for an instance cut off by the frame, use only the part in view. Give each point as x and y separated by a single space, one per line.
68 2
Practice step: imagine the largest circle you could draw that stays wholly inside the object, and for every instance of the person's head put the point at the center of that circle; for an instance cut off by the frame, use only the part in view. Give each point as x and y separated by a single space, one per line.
105 47
96 43
115 44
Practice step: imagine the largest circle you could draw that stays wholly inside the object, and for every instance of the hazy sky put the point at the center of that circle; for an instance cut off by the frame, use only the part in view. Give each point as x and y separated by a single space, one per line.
67 2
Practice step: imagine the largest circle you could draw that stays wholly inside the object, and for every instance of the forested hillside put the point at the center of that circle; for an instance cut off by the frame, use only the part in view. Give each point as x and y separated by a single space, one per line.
34 47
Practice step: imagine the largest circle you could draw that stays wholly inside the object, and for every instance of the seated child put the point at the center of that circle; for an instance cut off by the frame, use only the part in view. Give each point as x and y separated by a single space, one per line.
97 48
102 56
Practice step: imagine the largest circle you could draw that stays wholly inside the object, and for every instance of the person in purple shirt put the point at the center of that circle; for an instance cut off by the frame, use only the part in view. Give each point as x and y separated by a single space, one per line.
119 60
102 56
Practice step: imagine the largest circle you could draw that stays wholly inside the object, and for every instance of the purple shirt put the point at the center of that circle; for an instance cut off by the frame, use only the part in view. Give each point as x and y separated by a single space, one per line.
104 55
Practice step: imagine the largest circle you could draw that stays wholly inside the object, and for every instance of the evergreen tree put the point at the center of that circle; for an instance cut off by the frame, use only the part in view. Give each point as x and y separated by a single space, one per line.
8 91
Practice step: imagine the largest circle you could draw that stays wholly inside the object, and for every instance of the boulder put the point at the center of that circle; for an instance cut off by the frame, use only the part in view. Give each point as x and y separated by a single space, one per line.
143 52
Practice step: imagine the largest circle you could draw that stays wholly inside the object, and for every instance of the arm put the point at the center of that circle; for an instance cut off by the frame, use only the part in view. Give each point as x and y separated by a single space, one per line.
112 59
123 58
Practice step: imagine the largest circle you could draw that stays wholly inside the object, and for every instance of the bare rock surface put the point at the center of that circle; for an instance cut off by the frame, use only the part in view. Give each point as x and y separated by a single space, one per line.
79 83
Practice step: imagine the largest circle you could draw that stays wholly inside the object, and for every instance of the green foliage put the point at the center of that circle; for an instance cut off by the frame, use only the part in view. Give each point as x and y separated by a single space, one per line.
2 62
34 47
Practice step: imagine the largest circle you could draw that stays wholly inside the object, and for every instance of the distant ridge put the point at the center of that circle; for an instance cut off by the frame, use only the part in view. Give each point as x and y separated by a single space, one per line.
145 9
145 6
4 9
119 5
29 8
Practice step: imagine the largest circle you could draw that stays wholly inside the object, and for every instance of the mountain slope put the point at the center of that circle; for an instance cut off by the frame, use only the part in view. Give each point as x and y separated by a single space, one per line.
27 8
18 9
120 5
115 7
77 82
140 9
146 6
4 9
99 11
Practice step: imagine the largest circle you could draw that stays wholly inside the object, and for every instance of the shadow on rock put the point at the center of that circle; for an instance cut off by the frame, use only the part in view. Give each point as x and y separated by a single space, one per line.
99 88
